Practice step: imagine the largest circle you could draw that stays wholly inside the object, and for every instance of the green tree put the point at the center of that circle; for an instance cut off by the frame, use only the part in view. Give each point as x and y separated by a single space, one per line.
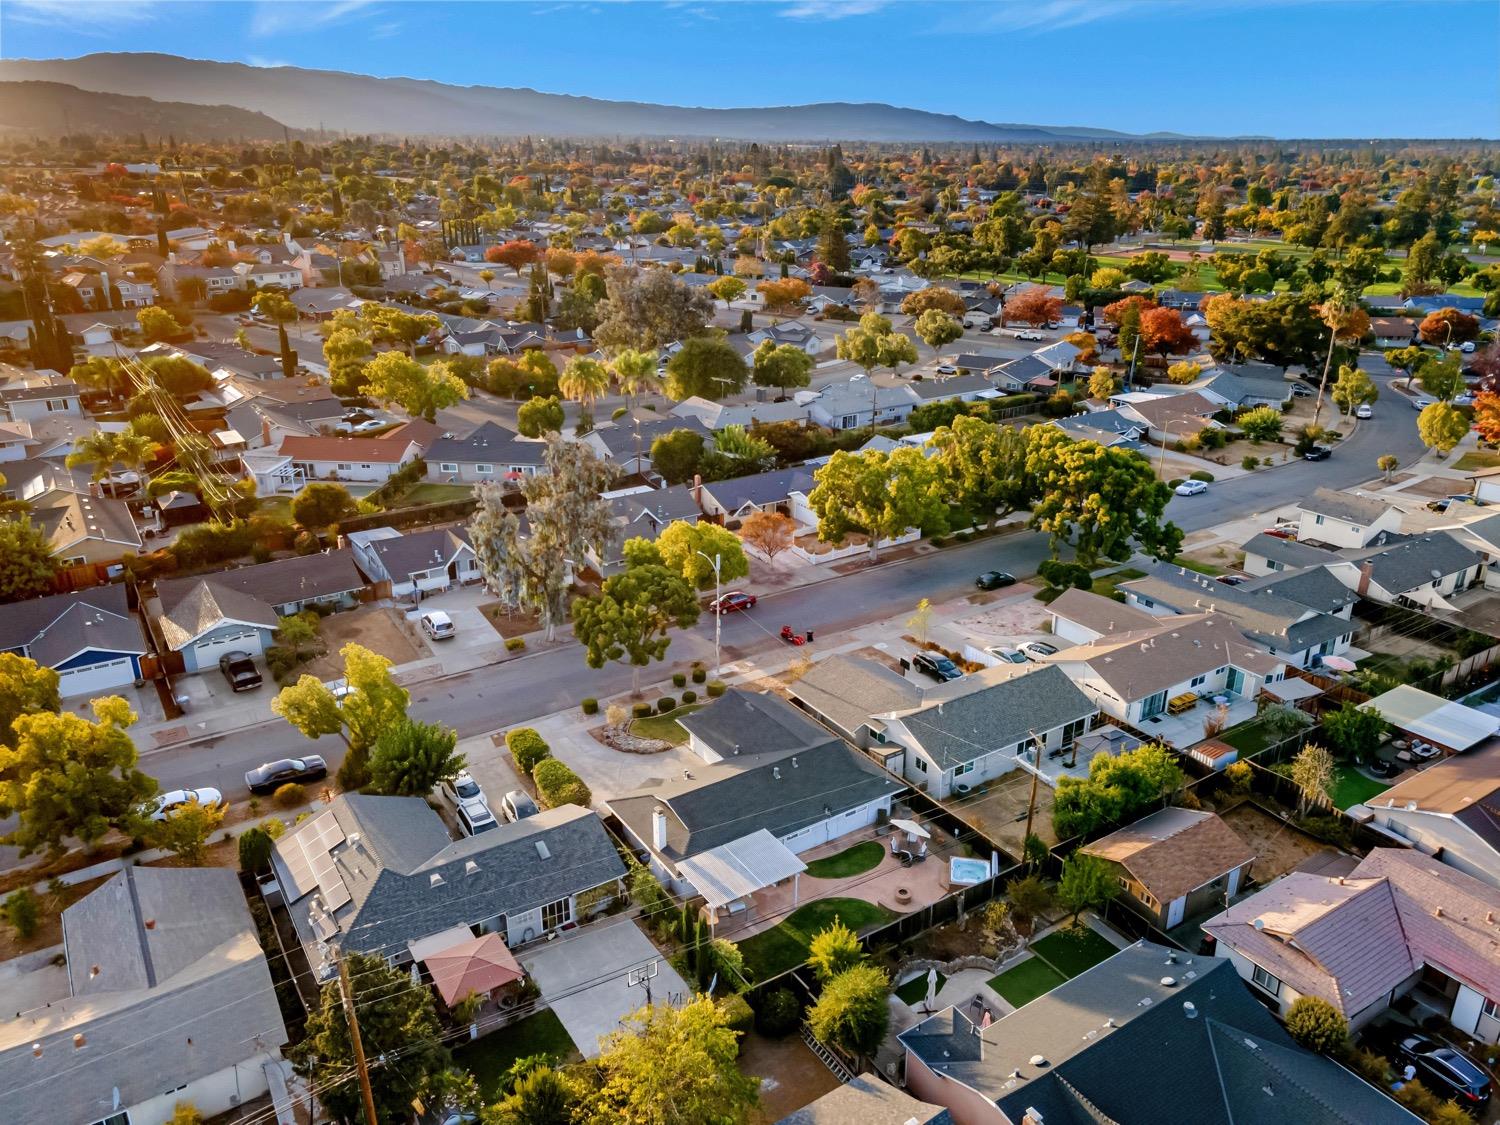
1316 1024
157 324
373 702
410 758
834 949
1441 426
104 450
631 618
783 366
420 391
542 1096
937 328
527 568
186 830
880 495
321 504
64 776
22 912
347 351
1184 373
747 450
635 372
1442 378
1421 266
1263 423
255 850
27 561
1312 772
679 545
1353 388
851 1012
275 307
1354 732
648 310
1118 789
872 343
670 1066
706 367
1087 883
26 688
728 288
584 381
983 468
540 416
392 1014
677 455
1102 384
1387 464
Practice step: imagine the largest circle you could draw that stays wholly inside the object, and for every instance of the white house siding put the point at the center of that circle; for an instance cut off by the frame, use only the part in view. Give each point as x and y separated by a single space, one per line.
357 471
840 824
212 1094
1071 631
1430 833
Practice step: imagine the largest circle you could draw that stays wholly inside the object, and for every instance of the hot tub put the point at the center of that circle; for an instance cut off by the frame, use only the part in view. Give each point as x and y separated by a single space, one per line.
965 872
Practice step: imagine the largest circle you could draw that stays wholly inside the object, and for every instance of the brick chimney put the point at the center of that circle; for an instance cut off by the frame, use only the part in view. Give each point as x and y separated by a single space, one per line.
1365 570
698 490
265 431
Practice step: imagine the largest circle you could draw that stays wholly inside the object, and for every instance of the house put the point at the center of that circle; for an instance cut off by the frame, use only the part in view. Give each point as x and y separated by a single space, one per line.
643 513
849 694
627 443
1176 863
866 1100
1289 630
1271 554
90 638
1028 374
1314 587
1133 673
161 994
981 727
1081 617
1108 428
84 529
1148 1035
33 399
717 415
415 563
792 332
1241 386
1345 519
850 405
380 875
1168 417
1401 923
1450 811
203 621
490 452
734 499
263 275
1393 331
1425 570
1444 723
357 459
328 579
777 785
1061 358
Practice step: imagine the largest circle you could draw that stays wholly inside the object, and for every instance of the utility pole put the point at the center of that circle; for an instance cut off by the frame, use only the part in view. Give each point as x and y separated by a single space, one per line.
1031 804
359 1048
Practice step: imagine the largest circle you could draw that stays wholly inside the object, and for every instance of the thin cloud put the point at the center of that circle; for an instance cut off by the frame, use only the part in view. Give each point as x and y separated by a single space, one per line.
263 62
274 17
384 30
87 16
824 10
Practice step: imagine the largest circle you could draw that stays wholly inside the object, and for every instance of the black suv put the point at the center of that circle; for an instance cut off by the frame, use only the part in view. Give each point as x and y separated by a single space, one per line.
940 668
1446 1071
240 671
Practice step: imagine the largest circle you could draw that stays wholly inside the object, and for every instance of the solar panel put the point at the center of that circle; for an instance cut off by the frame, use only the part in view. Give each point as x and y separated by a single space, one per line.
308 862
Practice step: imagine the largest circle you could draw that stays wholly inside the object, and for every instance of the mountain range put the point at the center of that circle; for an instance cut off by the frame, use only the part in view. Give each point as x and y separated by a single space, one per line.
53 109
316 100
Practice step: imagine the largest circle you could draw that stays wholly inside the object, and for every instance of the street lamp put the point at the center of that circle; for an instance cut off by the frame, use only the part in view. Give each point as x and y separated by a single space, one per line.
715 562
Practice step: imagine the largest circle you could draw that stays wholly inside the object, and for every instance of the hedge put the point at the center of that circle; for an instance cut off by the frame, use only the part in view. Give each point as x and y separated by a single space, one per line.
690 696
527 748
716 688
666 705
590 706
640 710
557 784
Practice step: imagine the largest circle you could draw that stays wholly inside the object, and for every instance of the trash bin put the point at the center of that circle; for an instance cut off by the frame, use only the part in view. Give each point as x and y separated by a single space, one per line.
182 701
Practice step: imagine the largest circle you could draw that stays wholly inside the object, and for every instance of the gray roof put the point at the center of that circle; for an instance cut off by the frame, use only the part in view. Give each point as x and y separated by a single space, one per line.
746 723
936 390
848 691
759 489
53 629
732 799
60 388
620 438
1287 552
297 579
1023 370
1231 1063
193 606
487 444
403 555
1411 563
646 514
179 1001
967 726
1344 506
866 1100
1316 587
408 879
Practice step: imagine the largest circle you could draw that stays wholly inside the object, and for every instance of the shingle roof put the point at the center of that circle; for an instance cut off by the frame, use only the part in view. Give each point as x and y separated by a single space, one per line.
489 443
1315 587
404 555
59 626
747 723
200 604
376 450
866 1100
1345 506
850 690
1145 661
761 488
1410 563
1174 851
1099 614
282 581
1287 552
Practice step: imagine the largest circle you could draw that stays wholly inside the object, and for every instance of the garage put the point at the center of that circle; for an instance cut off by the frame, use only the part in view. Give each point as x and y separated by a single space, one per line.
95 679
206 652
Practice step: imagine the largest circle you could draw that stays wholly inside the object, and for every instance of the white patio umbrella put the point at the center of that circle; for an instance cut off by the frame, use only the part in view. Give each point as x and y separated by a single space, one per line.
932 975
911 828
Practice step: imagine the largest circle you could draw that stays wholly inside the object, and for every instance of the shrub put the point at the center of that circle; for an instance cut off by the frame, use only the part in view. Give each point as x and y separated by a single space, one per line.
290 795
557 784
737 1013
640 710
1317 1025
1239 776
665 705
255 850
279 661
780 1013
716 688
1174 482
833 950
699 675
274 827
1249 462
22 912
619 412
590 706
515 644
690 696
1206 477
852 1013
679 679
527 748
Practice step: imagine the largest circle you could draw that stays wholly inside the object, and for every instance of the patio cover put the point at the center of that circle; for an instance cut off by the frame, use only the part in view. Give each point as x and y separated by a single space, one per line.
741 867
480 965
1292 689
1433 718
423 948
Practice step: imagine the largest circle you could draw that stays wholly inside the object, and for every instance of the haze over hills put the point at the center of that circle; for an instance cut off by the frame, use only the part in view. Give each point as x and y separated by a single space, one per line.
53 109
355 103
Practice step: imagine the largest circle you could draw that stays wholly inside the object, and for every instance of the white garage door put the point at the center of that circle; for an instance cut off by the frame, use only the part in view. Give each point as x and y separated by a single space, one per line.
209 651
95 678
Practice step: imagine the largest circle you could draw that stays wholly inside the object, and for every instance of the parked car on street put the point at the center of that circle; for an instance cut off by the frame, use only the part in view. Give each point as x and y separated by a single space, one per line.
167 802
1302 390
239 669
938 667
517 805
1191 488
994 580
1037 650
736 601
1029 334
437 625
272 775
1446 1071
1421 402
1318 453
946 369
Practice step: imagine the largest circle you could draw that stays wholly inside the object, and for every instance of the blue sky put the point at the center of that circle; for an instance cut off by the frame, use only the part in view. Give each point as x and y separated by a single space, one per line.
1289 68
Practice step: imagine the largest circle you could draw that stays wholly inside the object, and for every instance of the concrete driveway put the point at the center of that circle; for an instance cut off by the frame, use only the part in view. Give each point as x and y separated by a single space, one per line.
583 978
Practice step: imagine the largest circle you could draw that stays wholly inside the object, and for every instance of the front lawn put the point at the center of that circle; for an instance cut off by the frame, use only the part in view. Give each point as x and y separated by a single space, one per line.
1477 459
914 991
1201 567
1105 586
1074 950
784 947
664 727
1351 787
490 1057
850 861
1033 977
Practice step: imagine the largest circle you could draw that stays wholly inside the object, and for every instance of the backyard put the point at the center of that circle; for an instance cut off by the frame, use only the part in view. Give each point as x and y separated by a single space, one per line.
785 946
1059 956
429 493
851 861
491 1057
1351 787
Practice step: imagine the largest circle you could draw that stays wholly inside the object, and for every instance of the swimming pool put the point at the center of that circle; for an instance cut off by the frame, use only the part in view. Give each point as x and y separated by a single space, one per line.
967 872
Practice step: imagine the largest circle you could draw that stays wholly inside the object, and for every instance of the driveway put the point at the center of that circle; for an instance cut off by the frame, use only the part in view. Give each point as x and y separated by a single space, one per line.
583 977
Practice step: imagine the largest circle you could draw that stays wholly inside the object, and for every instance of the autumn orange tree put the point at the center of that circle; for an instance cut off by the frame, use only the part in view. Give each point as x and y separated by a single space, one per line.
934 297
1163 332
785 295
1034 305
517 254
1115 311
769 533
1487 416
1448 326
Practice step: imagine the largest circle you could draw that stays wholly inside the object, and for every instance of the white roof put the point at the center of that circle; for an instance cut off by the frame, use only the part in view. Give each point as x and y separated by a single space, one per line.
741 867
1432 717
433 944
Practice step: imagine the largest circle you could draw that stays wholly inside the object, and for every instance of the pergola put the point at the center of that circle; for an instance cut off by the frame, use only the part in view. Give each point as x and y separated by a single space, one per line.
736 870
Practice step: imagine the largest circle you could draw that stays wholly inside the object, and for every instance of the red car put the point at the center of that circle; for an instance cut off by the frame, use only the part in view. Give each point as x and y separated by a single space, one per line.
733 602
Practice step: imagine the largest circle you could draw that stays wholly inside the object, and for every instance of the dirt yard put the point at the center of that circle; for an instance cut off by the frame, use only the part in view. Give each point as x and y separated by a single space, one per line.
380 629
790 1075
508 623
49 919
1019 615
1000 812
1278 848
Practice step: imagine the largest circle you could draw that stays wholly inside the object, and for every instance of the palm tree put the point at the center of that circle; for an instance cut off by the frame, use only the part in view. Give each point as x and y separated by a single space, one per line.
635 372
584 381
104 450
1343 316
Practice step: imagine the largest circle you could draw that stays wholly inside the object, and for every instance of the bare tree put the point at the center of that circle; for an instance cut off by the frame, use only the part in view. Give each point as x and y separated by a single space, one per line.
1312 771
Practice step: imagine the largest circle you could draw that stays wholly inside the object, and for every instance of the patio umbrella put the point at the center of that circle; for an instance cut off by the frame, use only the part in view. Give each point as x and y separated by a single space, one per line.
1339 663
931 987
911 828
479 965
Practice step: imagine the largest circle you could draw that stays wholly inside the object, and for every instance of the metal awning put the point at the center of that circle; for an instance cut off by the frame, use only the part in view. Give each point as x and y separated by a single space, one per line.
741 867
423 948
1433 718
1292 689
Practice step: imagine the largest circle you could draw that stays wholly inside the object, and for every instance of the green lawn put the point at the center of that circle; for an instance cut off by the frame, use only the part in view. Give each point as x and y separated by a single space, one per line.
489 1058
1074 950
850 861
1350 787
435 494
1248 738
1477 459
785 946
1033 977
1105 586
914 991
664 727
1202 568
